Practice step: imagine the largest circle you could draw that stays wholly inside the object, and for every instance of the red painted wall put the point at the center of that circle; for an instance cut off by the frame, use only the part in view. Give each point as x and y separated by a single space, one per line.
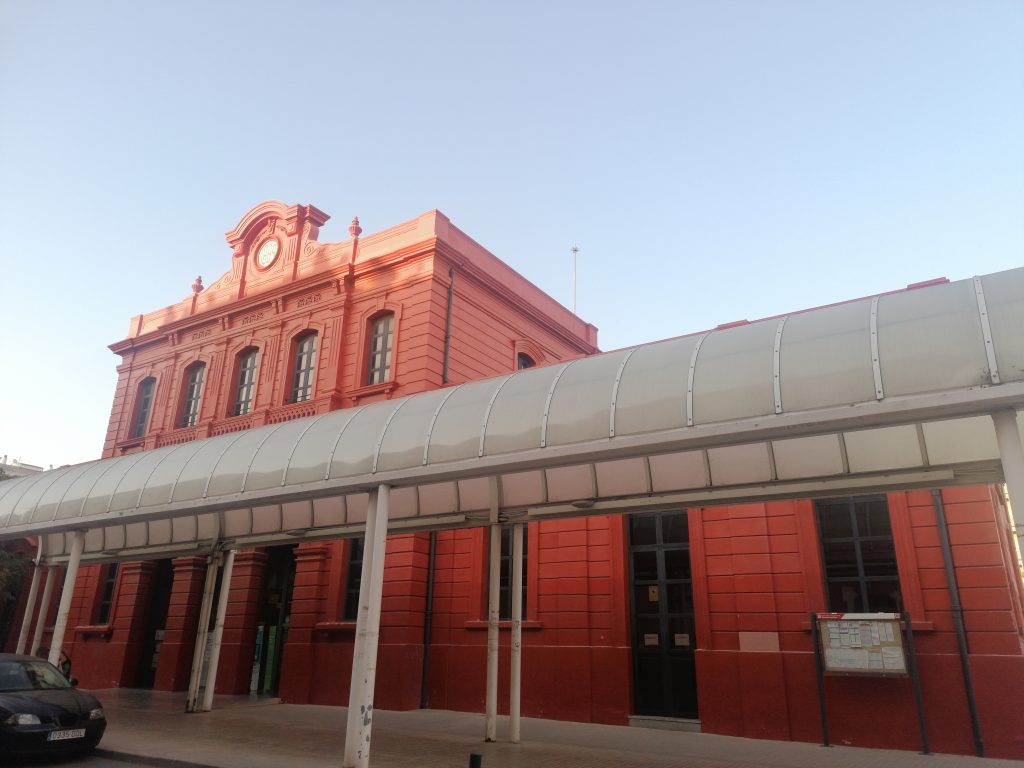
758 576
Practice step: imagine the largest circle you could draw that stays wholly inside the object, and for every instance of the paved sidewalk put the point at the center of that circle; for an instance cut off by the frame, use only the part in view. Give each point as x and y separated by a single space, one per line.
152 728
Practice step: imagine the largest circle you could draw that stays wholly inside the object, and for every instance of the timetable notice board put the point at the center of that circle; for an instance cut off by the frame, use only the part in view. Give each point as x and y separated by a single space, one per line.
861 643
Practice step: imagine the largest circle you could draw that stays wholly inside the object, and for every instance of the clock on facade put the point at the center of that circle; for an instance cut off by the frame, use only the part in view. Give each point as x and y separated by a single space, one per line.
267 253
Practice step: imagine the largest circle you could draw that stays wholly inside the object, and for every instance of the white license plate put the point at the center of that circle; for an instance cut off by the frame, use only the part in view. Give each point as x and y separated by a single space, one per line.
75 733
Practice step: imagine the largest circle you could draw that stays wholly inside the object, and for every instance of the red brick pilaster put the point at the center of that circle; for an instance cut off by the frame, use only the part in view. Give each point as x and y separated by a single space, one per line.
308 606
239 642
175 663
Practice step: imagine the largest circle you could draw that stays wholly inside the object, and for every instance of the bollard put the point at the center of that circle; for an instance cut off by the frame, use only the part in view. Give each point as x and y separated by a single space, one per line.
475 760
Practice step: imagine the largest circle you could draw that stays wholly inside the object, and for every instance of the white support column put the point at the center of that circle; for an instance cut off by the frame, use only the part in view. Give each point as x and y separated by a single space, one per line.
202 631
1012 456
44 608
371 589
218 631
60 627
493 596
516 666
30 607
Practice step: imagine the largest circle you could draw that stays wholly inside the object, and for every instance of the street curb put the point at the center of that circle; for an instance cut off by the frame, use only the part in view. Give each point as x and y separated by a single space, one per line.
157 762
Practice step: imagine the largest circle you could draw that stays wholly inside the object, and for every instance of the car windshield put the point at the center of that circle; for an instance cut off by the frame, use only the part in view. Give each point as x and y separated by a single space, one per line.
30 676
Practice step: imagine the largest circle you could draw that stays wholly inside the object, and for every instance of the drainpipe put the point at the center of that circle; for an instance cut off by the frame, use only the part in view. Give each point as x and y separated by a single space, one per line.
493 593
428 621
448 326
516 663
958 618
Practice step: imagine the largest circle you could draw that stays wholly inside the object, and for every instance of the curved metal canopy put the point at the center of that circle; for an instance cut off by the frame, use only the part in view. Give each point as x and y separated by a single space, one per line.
884 392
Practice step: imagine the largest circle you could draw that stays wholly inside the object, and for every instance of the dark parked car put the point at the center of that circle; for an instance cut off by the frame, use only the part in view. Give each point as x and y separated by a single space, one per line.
40 711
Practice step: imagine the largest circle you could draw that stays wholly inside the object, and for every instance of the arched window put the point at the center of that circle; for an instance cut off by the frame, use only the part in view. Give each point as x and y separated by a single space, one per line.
378 365
143 406
192 393
523 360
303 367
245 381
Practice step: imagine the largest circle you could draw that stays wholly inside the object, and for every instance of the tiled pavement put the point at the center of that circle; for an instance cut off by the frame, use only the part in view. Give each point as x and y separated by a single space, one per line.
151 727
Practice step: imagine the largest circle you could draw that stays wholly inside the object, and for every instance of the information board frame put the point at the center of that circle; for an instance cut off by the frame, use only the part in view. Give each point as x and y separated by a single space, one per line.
862 644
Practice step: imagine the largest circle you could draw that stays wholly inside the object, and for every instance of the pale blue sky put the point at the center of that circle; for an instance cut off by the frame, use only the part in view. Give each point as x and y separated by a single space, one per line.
713 161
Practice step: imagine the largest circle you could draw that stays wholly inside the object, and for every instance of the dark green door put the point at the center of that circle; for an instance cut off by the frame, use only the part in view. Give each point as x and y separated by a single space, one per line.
661 585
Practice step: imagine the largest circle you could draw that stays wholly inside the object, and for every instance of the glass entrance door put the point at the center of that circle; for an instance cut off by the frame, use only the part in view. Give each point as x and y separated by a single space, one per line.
664 674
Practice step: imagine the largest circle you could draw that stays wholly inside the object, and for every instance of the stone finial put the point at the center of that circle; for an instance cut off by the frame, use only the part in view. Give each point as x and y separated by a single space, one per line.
197 286
355 230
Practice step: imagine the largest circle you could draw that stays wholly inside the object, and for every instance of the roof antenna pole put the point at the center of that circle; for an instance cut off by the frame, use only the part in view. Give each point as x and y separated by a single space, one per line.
574 250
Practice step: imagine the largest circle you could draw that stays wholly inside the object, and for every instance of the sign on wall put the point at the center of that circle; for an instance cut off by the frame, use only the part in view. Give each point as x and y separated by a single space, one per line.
862 644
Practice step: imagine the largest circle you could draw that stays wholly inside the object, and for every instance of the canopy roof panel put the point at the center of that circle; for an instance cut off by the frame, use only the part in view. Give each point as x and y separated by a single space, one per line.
889 391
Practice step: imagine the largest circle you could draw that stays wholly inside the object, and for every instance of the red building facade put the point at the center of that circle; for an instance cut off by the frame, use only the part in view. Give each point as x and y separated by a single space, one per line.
685 614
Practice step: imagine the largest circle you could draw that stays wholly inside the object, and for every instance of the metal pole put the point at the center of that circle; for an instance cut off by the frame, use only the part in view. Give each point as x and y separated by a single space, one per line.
819 668
44 609
1012 456
916 680
958 619
493 597
30 606
357 680
574 250
202 631
218 631
516 666
75 559
371 627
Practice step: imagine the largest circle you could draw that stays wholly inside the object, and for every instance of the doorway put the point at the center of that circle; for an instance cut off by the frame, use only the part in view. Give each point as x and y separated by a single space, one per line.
272 629
156 623
662 617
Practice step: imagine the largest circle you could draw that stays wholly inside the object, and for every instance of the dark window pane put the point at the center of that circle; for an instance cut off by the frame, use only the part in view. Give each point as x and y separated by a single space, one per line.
683 688
675 529
648 631
859 557
505 586
353 580
642 530
873 518
193 391
845 597
524 361
680 598
144 403
378 369
835 520
677 564
879 558
645 566
681 633
884 596
647 598
650 694
305 364
840 560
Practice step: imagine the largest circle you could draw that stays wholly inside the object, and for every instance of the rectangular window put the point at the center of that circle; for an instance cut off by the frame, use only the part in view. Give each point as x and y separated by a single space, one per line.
143 407
858 555
246 382
354 579
379 367
505 588
193 394
106 594
305 364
